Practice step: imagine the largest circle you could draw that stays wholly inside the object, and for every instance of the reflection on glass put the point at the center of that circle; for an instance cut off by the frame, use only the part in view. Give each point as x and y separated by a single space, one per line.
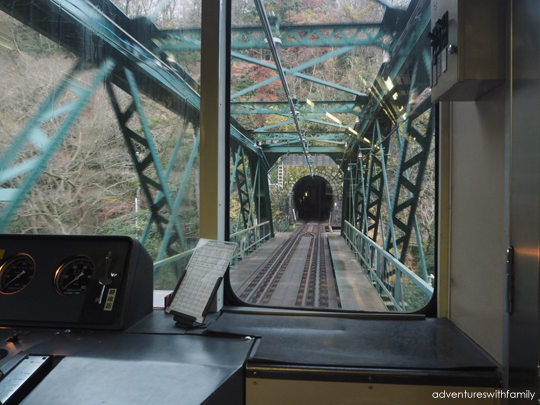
100 123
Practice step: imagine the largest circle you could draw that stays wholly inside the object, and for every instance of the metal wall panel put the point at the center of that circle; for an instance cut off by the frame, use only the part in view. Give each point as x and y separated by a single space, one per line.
477 254
524 187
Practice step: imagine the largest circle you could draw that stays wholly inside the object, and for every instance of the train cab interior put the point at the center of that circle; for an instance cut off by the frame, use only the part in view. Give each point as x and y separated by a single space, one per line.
396 143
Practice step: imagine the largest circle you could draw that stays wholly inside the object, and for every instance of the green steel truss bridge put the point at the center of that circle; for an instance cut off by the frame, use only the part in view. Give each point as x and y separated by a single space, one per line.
383 156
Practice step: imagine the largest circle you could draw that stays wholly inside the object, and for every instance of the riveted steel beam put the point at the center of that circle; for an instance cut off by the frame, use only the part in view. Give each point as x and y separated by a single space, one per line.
320 35
291 136
320 150
303 107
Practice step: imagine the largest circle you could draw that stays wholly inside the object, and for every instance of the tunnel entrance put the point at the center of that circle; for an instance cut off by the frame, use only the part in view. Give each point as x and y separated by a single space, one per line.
313 198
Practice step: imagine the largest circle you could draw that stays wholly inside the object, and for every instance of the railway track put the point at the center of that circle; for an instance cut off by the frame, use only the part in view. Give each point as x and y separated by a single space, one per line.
314 287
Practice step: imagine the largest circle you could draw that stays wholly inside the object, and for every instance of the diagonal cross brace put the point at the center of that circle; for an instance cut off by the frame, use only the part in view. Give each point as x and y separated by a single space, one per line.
156 191
288 72
299 75
243 184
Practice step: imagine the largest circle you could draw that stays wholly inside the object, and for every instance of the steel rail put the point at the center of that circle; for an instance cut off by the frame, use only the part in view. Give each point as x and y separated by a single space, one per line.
249 289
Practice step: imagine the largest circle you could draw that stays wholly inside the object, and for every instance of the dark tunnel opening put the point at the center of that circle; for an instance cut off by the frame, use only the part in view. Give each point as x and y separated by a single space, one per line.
313 198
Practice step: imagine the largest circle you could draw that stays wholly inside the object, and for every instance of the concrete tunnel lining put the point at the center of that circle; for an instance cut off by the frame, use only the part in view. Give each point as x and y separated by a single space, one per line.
313 198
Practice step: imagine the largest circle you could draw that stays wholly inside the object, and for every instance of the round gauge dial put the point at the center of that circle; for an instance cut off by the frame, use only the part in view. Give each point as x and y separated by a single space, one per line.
16 273
73 277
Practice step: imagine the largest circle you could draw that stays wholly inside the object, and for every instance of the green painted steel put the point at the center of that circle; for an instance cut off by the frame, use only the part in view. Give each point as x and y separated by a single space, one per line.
290 136
383 200
146 163
303 107
410 44
281 124
180 194
299 75
365 248
285 85
275 140
321 140
236 157
162 83
250 179
250 239
320 35
244 183
371 174
303 66
408 189
403 182
25 174
255 195
390 233
325 150
248 144
378 206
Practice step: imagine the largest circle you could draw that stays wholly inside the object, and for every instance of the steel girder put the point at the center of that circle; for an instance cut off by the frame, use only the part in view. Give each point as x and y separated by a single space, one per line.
384 195
261 194
166 83
290 138
281 108
275 55
320 35
244 181
269 149
345 36
274 154
403 75
310 118
152 177
171 226
251 181
408 186
372 173
76 19
305 35
392 78
280 124
28 155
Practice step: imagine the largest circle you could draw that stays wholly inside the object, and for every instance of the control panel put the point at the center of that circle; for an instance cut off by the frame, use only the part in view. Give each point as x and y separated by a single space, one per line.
467 48
100 282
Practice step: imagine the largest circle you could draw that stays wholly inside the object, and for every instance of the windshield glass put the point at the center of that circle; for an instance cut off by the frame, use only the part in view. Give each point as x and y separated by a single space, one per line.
333 161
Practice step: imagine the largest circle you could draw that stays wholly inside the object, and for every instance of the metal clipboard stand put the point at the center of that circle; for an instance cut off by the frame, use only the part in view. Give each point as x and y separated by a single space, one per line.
195 291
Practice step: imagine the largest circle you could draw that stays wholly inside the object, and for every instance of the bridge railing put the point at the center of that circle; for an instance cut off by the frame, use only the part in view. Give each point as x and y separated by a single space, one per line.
283 225
250 239
392 279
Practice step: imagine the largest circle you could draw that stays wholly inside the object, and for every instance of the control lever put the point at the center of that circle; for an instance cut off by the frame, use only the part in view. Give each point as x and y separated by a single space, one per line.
105 278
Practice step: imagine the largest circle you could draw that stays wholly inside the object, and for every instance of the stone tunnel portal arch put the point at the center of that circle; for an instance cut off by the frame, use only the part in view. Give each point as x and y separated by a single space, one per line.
313 198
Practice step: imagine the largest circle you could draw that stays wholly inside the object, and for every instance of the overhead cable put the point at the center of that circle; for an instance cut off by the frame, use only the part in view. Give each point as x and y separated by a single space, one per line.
279 67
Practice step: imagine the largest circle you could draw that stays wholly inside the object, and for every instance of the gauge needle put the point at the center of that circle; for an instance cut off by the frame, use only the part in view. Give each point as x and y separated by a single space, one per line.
18 275
75 279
